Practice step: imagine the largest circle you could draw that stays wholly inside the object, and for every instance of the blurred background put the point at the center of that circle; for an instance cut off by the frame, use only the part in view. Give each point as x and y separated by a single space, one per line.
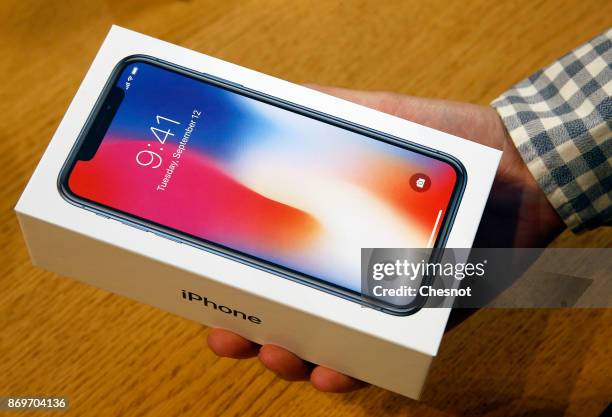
112 356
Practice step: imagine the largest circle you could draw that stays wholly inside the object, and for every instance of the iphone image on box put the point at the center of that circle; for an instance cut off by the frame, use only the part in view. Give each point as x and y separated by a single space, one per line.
298 193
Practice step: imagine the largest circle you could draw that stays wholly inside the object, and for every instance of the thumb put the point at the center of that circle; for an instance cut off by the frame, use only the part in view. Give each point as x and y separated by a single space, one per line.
416 109
473 122
382 101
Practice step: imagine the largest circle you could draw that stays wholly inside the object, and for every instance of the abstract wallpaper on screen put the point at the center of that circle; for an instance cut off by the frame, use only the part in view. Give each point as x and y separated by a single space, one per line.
261 180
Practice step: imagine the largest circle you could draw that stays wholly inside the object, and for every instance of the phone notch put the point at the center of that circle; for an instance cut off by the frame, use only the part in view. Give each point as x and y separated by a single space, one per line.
100 124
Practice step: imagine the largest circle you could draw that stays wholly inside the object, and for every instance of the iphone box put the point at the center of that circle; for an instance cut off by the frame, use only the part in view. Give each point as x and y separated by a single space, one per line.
393 352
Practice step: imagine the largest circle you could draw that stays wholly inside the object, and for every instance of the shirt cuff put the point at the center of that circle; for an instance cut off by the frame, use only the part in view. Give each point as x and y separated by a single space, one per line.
560 120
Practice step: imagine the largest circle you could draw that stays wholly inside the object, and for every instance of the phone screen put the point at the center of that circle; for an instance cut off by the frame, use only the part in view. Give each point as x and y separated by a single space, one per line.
260 179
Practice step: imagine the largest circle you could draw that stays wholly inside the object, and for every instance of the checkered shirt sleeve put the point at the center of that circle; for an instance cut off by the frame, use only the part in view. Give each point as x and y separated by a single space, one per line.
560 120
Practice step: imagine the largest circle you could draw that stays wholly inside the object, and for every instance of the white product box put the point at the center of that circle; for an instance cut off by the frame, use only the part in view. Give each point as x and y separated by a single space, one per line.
390 351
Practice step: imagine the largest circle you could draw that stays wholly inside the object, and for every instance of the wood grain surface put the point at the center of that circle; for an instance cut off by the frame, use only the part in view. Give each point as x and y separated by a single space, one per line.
114 357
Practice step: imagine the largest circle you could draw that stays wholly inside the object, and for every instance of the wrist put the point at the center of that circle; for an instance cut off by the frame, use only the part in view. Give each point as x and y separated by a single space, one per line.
531 202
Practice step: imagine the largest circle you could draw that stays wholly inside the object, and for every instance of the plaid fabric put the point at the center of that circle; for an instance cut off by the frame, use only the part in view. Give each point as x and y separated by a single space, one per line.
560 120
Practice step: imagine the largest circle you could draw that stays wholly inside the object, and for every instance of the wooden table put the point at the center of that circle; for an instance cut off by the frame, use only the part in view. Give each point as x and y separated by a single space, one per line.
115 357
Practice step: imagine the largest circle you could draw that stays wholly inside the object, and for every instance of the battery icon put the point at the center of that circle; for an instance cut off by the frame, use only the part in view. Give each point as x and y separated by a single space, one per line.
134 70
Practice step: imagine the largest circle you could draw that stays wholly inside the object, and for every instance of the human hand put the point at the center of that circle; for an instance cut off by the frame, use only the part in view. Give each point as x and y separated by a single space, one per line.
518 214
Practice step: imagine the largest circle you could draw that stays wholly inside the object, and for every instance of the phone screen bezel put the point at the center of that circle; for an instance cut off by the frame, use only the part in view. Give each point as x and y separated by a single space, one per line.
182 237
